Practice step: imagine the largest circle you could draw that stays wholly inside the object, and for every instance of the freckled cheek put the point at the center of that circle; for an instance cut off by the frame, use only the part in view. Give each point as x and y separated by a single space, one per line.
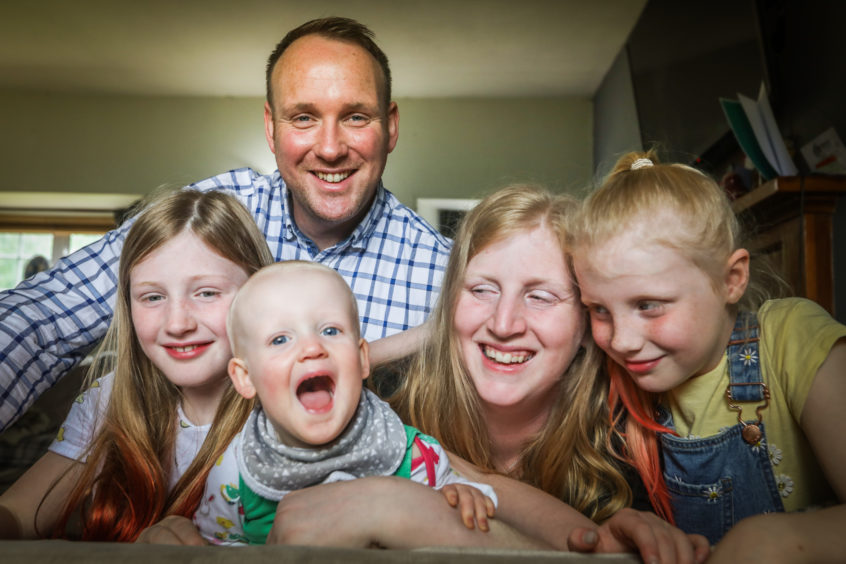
294 145
602 332
470 316
146 325
367 142
217 321
666 331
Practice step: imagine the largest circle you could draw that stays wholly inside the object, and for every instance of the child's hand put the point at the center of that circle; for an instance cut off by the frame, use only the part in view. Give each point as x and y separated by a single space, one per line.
474 506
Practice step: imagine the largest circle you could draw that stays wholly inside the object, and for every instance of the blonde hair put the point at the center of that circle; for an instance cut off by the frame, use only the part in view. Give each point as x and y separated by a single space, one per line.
567 457
696 215
695 218
124 487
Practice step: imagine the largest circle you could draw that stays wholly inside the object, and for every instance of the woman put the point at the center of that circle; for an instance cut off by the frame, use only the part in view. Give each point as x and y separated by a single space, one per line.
508 383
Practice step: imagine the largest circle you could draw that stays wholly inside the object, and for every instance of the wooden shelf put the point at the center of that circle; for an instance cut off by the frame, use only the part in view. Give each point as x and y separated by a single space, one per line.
794 230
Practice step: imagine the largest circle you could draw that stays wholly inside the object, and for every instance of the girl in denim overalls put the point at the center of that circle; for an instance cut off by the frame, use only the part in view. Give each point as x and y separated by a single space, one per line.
734 406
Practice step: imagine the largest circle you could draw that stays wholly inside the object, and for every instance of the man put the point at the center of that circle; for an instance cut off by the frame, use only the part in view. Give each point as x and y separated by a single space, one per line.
330 121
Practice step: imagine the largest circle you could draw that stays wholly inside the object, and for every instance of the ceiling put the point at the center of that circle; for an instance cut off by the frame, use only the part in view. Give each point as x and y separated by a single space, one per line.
437 48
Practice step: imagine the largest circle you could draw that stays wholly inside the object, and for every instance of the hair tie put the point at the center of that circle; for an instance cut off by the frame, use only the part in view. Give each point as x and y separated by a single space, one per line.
641 163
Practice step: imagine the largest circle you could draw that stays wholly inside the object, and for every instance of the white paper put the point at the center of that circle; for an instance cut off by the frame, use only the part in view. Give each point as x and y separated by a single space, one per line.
784 164
759 128
826 153
764 126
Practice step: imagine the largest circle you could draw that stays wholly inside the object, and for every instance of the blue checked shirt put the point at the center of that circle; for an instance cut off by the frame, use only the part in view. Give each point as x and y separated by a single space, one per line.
393 261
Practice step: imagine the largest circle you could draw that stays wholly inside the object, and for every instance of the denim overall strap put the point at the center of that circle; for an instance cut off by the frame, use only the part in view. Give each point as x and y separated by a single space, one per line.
716 481
743 362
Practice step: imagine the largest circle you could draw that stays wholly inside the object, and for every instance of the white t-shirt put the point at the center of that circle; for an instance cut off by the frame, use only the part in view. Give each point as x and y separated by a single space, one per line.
83 420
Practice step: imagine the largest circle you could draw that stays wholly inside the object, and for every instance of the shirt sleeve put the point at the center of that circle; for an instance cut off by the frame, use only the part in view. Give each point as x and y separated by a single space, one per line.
83 420
798 334
443 471
48 323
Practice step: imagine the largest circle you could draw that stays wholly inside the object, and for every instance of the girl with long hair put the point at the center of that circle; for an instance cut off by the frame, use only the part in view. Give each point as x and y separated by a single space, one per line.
731 401
159 408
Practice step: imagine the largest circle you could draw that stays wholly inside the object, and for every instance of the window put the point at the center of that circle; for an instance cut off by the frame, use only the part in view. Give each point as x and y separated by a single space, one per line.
52 225
17 249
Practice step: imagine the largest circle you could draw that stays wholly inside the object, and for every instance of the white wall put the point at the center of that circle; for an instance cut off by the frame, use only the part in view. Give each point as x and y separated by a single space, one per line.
129 144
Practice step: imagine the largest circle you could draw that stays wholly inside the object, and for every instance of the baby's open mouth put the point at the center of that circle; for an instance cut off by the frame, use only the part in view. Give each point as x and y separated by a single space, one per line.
316 393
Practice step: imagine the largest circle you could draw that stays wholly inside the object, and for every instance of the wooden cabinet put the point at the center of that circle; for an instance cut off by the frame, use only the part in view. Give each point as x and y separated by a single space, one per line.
792 218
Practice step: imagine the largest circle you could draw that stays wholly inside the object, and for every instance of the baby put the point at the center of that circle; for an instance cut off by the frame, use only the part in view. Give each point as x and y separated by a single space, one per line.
294 330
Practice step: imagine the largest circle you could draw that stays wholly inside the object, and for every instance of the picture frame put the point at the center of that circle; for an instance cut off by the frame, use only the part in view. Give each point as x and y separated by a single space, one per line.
444 214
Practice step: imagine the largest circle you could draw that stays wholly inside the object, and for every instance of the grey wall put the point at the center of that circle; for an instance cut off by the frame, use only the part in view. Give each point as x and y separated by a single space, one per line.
128 144
463 148
615 120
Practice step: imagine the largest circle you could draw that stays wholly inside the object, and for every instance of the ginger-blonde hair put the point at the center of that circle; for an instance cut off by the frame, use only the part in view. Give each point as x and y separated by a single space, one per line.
567 458
124 486
695 215
680 207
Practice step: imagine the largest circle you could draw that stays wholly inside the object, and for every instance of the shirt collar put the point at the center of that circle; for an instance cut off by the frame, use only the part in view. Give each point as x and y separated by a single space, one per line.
356 240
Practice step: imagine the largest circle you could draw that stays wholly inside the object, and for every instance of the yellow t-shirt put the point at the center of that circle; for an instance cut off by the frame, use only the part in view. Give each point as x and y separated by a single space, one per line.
796 336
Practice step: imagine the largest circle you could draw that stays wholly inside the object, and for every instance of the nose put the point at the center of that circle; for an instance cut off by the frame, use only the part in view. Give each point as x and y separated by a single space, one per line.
330 144
508 318
180 319
626 337
311 348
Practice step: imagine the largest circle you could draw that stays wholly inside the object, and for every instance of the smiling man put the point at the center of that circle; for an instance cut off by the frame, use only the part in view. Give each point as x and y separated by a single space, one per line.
331 124
331 128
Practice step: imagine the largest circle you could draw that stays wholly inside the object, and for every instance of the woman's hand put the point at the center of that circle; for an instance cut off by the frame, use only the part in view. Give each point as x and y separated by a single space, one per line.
173 529
629 530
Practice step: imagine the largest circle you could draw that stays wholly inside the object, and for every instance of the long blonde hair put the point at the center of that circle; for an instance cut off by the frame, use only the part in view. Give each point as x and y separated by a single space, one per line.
124 487
567 457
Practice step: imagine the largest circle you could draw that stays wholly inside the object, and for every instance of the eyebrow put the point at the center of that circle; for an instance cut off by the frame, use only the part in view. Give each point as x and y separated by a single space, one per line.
308 107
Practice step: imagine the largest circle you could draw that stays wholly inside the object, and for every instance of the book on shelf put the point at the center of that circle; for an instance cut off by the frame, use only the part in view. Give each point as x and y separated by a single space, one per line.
757 133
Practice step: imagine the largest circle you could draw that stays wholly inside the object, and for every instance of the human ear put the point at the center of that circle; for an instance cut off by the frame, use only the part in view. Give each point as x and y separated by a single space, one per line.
269 126
364 356
737 275
240 377
393 126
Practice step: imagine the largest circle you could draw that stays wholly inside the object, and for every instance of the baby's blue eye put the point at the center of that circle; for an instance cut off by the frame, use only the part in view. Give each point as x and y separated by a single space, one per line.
331 331
280 340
